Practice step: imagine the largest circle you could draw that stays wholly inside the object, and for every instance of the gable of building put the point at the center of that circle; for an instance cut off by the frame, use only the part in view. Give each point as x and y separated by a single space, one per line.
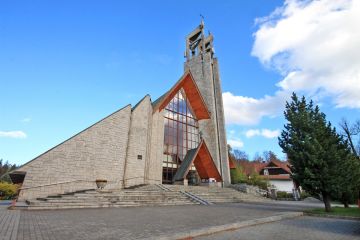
188 84
203 162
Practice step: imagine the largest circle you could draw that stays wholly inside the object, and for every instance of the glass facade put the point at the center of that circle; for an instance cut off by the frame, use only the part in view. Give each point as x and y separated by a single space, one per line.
181 133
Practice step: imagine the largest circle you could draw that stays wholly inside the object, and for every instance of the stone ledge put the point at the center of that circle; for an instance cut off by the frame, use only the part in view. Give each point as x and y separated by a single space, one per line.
228 227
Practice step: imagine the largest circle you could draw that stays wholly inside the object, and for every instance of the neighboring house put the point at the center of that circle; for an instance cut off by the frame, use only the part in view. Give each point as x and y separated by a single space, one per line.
278 174
275 171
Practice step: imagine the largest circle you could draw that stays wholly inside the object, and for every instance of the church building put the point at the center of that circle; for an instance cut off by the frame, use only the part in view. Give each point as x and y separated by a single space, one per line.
178 138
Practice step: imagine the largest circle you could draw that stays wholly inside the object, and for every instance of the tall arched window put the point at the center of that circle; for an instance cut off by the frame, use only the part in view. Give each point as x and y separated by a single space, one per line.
181 133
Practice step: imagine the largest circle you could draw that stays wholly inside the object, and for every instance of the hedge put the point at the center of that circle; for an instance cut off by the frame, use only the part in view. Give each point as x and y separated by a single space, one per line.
8 190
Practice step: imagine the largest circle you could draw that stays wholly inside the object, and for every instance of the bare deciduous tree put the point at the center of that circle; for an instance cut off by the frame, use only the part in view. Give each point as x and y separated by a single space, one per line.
352 132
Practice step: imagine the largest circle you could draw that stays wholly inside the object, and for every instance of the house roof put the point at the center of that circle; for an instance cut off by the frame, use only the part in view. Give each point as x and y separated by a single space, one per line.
280 164
203 162
250 166
232 165
256 166
188 84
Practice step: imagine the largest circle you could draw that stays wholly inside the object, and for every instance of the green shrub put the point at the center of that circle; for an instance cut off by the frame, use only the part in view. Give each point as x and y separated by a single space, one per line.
8 190
237 175
304 195
256 180
282 194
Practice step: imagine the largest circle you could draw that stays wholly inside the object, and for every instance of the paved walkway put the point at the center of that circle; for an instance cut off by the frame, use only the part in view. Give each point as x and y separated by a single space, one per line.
295 229
9 223
129 223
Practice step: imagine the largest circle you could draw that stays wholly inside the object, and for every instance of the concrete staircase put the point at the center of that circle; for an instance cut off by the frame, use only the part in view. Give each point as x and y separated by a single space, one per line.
217 194
148 195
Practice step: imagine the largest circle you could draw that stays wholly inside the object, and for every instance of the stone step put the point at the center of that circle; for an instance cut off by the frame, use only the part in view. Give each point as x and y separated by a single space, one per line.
142 203
123 191
217 195
148 195
120 197
95 205
140 196
115 195
52 207
110 200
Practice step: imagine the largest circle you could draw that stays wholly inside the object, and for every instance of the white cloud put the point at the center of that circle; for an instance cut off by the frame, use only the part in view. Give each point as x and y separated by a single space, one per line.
314 45
26 120
267 133
235 143
13 134
249 111
270 133
252 132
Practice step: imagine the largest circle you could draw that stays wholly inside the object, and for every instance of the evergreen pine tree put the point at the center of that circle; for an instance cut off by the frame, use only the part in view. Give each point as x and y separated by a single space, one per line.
311 146
349 171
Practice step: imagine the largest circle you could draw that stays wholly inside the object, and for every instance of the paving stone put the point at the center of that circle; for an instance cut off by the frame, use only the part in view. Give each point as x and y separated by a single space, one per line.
153 222
9 223
132 223
295 229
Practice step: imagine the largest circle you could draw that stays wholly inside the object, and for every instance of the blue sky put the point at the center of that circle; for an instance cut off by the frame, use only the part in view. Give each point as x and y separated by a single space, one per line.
65 65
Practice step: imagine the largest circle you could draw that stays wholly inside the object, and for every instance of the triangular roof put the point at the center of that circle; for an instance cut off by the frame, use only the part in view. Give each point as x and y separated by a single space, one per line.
232 165
203 162
257 166
279 164
193 95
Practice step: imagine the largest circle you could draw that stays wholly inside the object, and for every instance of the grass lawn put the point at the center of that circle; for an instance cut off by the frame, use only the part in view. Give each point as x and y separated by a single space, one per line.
337 211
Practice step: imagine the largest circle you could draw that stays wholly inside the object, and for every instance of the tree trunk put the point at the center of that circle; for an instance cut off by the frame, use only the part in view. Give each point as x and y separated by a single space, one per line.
347 129
326 200
345 199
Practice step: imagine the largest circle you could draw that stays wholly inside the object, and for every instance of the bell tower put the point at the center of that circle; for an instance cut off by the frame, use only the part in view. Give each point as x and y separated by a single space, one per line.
201 61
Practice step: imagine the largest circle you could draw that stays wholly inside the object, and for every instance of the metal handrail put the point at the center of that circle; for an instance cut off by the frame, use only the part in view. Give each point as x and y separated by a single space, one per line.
162 187
195 198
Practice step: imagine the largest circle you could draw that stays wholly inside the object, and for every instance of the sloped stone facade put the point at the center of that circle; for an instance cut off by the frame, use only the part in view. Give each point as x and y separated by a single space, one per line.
138 149
98 152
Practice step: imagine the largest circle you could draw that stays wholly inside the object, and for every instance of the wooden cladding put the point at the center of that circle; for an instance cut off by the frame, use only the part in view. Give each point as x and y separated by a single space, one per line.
187 83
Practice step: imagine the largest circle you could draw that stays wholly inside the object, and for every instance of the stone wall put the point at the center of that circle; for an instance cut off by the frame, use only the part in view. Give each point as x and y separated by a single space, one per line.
98 152
221 124
206 76
202 73
138 150
154 166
